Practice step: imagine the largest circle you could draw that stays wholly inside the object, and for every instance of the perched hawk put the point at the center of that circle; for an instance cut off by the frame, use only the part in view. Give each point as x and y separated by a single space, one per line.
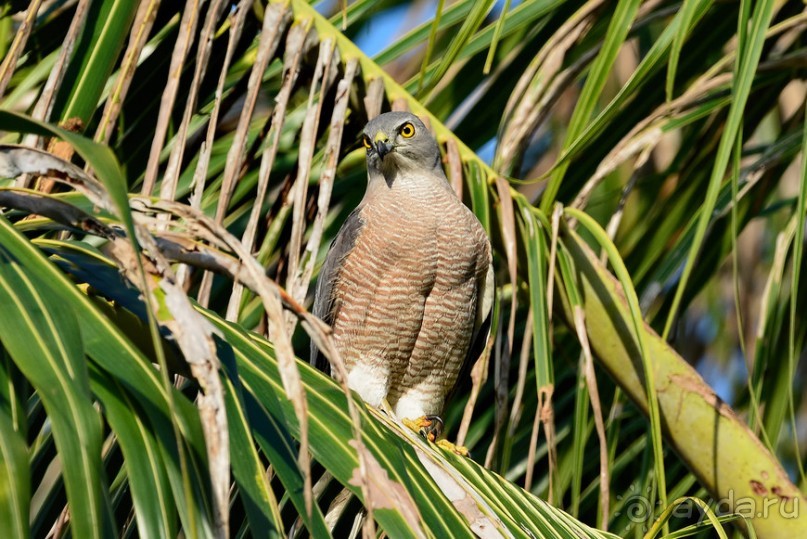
407 285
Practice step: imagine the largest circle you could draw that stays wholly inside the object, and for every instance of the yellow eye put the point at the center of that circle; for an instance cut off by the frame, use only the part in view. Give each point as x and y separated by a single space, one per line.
367 143
407 130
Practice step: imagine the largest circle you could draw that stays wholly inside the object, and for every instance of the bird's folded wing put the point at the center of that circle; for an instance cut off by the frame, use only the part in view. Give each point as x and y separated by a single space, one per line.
479 338
324 305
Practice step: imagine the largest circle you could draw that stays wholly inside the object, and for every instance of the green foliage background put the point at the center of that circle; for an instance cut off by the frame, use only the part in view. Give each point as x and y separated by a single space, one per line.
174 173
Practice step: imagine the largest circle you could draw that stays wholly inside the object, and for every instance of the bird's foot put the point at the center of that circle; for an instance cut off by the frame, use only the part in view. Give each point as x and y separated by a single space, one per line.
460 450
428 426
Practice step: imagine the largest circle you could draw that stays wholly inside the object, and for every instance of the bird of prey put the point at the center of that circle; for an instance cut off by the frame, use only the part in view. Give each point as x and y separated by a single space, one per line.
407 285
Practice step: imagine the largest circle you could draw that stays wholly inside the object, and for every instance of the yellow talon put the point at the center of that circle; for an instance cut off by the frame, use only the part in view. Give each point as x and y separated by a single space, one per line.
448 446
429 427
417 424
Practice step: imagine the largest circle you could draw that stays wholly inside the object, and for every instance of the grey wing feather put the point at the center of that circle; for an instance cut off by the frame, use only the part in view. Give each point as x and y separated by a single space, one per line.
481 334
324 304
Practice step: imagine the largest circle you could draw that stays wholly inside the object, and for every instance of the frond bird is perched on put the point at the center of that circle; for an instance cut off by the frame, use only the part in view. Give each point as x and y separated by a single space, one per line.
407 285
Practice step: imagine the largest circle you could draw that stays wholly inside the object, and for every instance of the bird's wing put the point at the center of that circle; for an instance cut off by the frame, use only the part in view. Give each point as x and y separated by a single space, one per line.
325 306
479 338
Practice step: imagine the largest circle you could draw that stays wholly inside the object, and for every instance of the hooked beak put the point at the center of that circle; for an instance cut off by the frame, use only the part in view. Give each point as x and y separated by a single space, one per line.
382 144
382 148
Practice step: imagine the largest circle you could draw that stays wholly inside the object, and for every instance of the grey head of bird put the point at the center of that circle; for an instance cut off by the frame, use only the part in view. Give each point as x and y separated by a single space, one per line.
399 142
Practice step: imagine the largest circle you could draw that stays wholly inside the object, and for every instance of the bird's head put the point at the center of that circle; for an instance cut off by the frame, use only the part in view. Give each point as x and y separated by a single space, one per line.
398 142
